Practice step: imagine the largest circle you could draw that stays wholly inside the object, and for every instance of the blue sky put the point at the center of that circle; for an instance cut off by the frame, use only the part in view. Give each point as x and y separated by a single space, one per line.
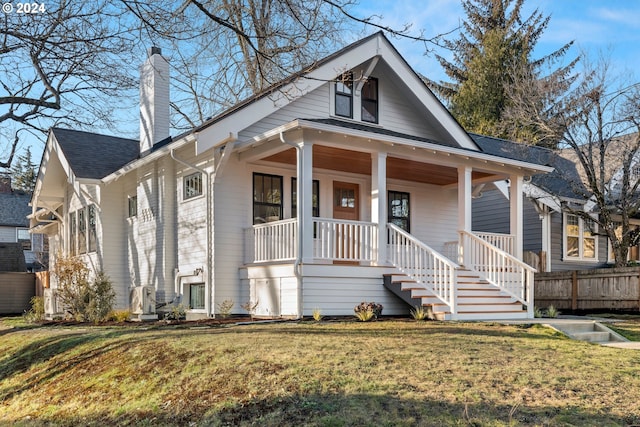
608 26
611 26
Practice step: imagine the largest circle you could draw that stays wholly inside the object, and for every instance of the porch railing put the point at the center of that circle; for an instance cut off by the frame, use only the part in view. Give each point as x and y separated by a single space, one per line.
424 265
272 241
334 240
342 240
500 241
499 267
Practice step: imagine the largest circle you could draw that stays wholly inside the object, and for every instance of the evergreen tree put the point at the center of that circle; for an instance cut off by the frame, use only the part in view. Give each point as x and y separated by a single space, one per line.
492 64
24 173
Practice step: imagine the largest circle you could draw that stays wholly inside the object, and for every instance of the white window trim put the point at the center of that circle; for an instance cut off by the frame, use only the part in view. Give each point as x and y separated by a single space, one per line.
184 187
580 258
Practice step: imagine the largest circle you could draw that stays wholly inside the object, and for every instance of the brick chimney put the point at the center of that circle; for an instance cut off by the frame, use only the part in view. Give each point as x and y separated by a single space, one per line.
154 100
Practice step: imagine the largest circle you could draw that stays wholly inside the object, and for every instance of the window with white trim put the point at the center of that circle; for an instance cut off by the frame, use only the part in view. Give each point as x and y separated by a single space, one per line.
580 240
344 96
133 206
370 101
192 185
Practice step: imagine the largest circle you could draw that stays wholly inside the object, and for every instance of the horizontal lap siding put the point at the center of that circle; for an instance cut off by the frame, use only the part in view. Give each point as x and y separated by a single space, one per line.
112 237
337 296
399 107
232 213
491 213
434 213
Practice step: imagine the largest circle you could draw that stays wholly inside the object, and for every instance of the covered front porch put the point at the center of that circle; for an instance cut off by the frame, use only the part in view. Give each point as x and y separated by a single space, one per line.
411 216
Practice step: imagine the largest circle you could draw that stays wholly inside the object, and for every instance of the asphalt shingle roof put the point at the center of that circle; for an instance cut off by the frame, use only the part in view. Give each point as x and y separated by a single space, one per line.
14 208
564 181
94 156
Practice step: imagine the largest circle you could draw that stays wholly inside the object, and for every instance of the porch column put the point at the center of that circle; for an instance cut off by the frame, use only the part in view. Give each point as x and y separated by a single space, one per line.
379 202
304 200
464 207
515 211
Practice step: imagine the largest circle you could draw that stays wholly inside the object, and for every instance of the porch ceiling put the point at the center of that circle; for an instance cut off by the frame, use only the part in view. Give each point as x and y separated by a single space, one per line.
359 162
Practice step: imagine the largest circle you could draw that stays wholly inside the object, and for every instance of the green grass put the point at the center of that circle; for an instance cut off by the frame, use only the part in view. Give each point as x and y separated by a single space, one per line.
386 373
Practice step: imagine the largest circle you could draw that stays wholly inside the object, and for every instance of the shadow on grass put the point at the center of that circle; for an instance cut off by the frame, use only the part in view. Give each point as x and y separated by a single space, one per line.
349 410
42 350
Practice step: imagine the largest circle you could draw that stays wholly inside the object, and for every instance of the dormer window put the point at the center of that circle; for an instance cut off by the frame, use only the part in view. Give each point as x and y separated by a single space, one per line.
370 101
344 96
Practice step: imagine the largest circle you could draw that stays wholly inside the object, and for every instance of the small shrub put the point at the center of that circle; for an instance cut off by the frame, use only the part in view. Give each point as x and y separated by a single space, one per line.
250 307
366 311
83 299
420 313
552 312
365 315
537 313
36 312
317 314
120 315
225 307
176 312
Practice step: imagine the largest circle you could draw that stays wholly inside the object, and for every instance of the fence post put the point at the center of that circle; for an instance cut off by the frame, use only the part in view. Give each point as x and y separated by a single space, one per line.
574 290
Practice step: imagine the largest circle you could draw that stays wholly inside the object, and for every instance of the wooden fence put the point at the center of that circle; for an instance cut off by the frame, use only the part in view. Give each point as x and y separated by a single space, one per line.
16 290
615 289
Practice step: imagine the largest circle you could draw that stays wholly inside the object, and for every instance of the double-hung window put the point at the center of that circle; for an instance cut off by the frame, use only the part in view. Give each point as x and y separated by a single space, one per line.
399 212
82 231
370 100
93 236
344 96
580 241
267 198
72 233
133 206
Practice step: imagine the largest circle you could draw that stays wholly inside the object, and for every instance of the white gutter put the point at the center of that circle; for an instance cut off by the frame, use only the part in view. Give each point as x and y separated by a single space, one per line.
297 265
149 158
210 180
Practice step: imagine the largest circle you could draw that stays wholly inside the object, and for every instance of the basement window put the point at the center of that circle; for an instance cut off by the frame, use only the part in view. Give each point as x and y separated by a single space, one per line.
196 296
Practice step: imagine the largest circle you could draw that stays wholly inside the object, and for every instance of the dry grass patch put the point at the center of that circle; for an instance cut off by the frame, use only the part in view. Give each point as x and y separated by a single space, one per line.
308 373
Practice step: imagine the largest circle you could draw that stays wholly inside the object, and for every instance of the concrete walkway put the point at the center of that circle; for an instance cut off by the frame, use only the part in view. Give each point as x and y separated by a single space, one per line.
568 324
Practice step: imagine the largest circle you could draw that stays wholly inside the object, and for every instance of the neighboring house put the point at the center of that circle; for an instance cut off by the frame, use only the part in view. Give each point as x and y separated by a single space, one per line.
305 196
559 239
14 229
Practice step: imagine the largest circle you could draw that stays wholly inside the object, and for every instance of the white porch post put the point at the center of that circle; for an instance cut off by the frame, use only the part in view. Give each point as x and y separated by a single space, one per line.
304 194
464 207
379 202
515 211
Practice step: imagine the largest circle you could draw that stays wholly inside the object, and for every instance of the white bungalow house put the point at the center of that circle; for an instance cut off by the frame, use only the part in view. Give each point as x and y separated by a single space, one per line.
310 195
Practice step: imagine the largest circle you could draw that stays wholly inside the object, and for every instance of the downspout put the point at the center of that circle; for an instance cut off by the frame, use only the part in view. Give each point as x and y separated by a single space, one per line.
297 265
209 178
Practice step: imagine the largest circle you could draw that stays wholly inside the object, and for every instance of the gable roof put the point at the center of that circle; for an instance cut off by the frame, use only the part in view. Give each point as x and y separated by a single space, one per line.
92 155
14 208
371 48
564 181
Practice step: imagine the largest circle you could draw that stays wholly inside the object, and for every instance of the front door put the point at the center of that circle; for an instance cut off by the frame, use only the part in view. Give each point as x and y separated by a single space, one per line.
346 201
346 206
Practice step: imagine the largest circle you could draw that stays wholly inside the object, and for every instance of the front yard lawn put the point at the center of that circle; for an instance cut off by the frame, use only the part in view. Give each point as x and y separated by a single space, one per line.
391 372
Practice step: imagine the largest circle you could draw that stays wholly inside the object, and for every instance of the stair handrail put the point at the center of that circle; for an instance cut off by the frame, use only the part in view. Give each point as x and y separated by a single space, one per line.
511 275
424 265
